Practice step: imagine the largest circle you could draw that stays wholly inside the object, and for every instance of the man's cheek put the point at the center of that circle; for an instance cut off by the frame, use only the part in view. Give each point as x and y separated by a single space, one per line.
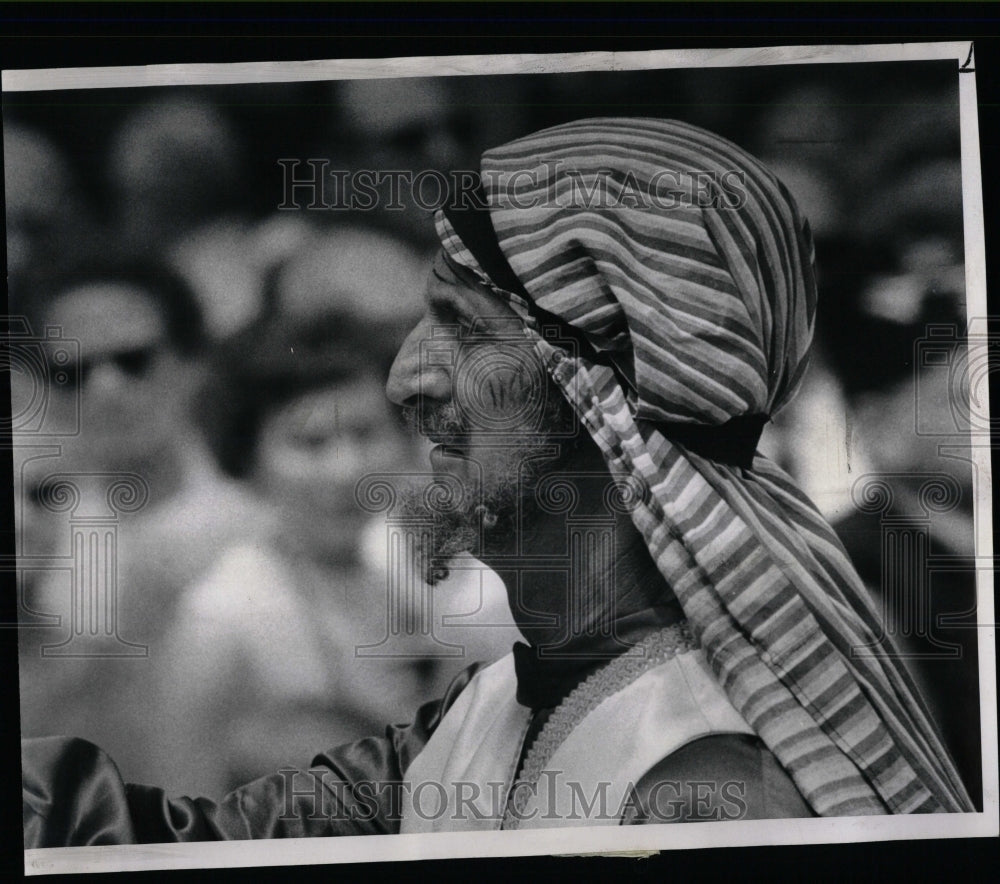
499 388
487 399
531 380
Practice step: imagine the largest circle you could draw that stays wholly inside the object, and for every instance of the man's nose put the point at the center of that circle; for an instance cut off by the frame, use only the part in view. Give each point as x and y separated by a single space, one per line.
410 378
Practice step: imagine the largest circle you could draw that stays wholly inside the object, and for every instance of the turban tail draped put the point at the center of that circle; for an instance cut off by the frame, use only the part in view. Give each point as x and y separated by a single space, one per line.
707 297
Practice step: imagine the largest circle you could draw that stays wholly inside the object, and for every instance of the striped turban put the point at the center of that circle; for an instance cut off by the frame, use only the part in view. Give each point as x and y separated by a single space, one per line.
688 270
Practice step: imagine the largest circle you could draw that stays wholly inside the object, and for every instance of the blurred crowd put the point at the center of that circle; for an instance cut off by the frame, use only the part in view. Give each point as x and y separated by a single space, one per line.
233 355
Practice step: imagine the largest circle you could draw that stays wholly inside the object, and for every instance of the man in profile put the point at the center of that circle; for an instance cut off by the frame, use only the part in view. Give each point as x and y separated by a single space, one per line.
612 357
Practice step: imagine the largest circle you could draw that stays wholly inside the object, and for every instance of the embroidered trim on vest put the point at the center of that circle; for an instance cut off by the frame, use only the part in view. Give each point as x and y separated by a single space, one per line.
653 650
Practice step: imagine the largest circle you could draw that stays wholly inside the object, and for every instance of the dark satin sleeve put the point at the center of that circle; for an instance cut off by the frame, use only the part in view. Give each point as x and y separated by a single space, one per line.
74 795
719 777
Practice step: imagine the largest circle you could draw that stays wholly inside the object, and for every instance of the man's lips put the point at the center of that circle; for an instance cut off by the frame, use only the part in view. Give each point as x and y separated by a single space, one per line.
443 452
455 461
447 440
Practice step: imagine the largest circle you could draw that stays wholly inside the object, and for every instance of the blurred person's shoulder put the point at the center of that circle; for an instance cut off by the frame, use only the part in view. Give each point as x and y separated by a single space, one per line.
209 509
247 584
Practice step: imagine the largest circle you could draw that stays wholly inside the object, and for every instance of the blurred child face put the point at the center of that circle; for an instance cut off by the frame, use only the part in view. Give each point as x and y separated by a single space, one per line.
313 449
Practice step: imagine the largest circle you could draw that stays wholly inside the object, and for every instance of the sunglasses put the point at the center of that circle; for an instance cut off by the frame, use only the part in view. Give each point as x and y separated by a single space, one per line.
134 362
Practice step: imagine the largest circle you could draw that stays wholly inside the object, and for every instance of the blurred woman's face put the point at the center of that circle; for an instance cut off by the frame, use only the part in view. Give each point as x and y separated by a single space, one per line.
313 449
128 379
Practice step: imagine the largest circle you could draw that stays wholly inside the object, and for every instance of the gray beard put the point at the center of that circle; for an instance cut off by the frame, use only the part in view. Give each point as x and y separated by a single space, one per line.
487 513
